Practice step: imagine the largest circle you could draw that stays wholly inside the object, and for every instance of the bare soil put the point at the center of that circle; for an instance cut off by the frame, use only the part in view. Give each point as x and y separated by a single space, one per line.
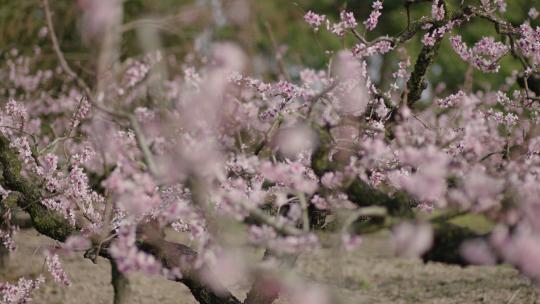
370 274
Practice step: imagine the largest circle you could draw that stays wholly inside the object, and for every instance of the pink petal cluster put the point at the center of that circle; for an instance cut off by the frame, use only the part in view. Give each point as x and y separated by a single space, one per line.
20 292
437 10
373 19
55 269
314 20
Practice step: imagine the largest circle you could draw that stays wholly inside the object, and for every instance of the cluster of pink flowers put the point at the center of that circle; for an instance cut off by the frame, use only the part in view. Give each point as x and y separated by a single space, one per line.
373 19
128 258
484 55
314 20
55 269
401 74
6 238
529 44
437 10
22 146
17 112
347 21
381 47
435 34
460 47
20 292
451 101
509 119
81 112
138 69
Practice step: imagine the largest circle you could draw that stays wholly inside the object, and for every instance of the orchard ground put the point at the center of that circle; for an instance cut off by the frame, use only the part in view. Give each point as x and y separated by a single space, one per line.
371 274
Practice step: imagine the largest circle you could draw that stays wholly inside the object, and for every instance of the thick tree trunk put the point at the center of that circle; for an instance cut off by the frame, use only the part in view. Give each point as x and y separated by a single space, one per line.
121 286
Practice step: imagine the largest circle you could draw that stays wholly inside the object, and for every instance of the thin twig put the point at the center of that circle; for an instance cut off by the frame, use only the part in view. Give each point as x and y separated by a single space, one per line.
278 55
260 216
59 54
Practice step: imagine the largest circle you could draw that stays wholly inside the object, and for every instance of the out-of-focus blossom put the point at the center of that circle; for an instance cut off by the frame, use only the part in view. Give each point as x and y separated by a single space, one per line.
410 240
99 15
350 242
478 252
533 13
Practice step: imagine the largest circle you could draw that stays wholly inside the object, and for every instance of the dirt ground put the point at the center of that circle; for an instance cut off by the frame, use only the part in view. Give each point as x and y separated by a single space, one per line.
369 275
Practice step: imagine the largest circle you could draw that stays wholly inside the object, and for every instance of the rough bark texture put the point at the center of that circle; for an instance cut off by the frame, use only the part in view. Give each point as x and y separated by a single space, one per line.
417 82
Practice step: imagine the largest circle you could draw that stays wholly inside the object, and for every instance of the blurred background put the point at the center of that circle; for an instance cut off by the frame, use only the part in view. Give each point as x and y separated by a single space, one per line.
265 29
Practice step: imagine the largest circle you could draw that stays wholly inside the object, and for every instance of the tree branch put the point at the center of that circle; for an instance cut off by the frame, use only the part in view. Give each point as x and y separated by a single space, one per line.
55 226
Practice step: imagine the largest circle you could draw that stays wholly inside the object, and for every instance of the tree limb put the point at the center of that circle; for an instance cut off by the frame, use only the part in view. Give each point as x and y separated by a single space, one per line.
55 226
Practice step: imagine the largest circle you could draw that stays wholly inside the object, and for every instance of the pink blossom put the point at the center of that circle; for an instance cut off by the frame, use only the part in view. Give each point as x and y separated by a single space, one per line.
17 112
373 19
533 13
6 238
332 180
529 44
437 10
478 252
451 101
320 202
460 47
348 20
22 146
411 240
351 242
486 53
128 257
55 269
82 110
436 34
20 293
314 20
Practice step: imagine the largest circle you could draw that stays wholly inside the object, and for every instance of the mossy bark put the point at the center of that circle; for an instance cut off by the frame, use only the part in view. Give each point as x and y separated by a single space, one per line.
417 83
45 221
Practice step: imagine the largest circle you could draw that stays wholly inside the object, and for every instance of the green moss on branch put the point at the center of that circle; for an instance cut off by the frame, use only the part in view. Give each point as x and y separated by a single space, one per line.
47 222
